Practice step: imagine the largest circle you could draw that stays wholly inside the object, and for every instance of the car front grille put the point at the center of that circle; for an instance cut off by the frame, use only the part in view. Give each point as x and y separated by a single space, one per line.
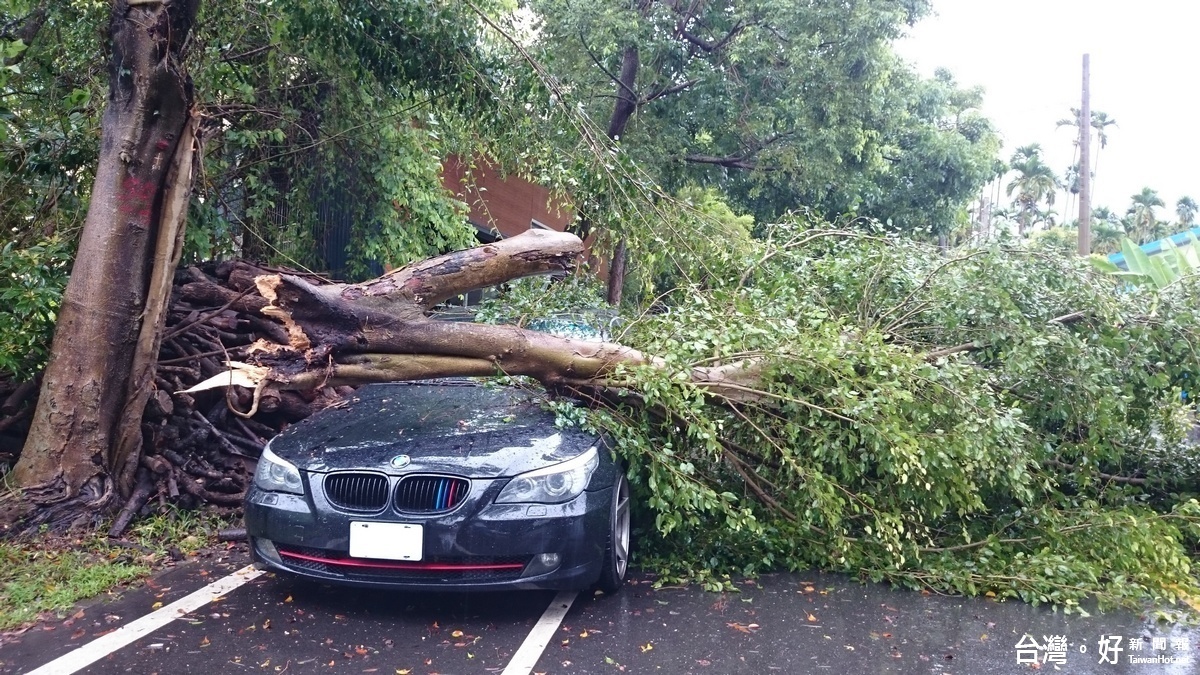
430 494
462 569
357 491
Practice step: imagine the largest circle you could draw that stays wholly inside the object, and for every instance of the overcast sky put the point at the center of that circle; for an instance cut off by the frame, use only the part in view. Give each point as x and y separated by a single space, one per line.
1027 54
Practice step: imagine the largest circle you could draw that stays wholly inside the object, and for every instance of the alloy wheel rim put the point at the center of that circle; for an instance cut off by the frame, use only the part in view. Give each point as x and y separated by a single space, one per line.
621 528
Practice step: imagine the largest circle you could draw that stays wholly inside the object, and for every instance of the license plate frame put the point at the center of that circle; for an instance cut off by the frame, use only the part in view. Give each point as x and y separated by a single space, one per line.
387 541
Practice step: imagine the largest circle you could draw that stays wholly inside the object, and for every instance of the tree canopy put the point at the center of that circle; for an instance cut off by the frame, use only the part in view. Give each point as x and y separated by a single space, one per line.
777 104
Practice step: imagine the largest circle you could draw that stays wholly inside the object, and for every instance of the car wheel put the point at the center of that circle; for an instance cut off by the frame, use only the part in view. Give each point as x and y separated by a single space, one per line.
616 552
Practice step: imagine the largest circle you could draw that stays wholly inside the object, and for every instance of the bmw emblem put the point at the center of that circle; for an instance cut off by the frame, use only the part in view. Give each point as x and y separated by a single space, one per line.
401 461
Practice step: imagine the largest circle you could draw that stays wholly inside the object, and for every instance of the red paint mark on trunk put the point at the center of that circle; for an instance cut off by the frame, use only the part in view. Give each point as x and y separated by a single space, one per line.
137 200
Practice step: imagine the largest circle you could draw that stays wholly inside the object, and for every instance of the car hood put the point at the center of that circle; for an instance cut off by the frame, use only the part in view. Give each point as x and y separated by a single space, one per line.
464 429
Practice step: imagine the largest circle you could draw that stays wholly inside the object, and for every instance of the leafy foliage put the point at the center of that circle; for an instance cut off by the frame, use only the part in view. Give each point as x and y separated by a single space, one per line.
776 104
32 280
334 120
526 300
1160 271
996 421
51 93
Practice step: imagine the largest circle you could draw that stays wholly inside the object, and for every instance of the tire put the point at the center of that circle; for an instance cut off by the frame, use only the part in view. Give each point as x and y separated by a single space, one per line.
616 549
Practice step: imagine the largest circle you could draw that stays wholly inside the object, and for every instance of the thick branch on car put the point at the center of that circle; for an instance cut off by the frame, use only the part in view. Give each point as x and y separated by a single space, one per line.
379 331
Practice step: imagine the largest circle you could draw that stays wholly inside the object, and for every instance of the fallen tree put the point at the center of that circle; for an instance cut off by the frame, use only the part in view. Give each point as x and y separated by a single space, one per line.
839 400
380 331
990 420
835 400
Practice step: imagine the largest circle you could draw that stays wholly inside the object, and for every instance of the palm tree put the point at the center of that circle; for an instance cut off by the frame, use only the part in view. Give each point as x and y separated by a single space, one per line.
1035 182
1047 218
1070 182
1071 179
1186 208
1144 224
1100 122
1107 231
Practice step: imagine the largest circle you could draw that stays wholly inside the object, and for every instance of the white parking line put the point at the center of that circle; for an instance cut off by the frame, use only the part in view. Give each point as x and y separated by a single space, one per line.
139 628
527 656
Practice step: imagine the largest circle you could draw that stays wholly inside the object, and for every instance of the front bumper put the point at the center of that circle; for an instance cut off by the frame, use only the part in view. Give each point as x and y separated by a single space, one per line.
478 546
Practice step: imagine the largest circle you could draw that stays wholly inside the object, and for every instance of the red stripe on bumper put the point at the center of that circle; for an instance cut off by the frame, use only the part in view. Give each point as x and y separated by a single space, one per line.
414 566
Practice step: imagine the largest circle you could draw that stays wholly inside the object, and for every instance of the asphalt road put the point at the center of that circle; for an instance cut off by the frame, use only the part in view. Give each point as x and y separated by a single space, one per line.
787 623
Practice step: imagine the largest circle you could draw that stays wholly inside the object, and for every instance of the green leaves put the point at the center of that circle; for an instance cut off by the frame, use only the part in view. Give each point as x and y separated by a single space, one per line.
1160 271
32 280
1043 459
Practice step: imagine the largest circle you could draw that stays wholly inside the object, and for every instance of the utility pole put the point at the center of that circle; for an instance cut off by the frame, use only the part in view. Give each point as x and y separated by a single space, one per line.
1085 166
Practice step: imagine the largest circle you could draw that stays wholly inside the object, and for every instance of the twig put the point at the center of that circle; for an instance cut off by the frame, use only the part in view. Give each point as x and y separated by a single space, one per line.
1103 476
141 495
181 329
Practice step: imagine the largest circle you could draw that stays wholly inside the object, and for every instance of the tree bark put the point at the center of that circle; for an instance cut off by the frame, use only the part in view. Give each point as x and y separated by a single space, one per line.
66 468
616 273
627 95
378 331
168 248
624 108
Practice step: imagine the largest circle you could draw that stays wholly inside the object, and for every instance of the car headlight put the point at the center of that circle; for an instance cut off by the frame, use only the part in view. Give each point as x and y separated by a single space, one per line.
554 484
277 475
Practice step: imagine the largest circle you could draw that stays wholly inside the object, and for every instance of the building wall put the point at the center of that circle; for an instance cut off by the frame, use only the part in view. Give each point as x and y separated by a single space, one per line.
507 203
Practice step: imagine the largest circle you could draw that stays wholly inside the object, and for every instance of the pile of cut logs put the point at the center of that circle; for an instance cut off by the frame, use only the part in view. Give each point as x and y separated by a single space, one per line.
195 450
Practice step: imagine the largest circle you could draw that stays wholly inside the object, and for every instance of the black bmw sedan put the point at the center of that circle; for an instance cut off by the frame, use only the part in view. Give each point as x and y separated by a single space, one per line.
440 485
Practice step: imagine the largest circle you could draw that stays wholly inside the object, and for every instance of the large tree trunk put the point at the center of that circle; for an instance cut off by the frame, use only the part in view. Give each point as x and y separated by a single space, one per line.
379 331
67 468
623 110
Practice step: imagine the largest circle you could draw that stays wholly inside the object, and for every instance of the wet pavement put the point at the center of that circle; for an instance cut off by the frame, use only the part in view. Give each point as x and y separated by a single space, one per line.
787 623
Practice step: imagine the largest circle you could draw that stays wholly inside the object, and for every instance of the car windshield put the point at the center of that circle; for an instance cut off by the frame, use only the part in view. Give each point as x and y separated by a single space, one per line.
593 326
